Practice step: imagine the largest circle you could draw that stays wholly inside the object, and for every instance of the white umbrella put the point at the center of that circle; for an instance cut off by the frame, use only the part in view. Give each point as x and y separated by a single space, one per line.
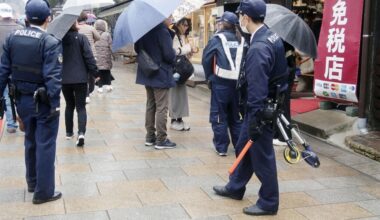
187 7
87 4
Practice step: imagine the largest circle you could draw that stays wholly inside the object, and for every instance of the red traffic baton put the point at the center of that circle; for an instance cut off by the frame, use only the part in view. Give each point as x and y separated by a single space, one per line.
240 157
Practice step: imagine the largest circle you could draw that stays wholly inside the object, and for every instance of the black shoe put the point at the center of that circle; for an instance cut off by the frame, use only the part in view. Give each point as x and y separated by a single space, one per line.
166 144
254 210
150 142
57 195
30 189
80 141
222 191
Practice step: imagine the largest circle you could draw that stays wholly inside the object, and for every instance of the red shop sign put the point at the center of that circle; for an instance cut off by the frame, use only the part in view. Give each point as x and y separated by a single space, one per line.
337 66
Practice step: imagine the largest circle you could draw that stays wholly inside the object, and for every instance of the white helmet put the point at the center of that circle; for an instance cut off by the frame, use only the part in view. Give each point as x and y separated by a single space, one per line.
6 11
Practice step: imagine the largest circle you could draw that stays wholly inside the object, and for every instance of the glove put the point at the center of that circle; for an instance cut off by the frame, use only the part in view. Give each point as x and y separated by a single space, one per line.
254 130
54 113
209 84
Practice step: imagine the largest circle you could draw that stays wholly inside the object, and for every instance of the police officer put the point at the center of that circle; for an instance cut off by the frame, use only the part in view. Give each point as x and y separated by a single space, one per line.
221 63
33 60
265 68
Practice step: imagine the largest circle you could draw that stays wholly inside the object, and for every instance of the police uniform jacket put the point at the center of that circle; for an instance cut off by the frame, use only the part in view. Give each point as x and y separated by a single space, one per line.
158 43
265 67
78 59
33 59
214 50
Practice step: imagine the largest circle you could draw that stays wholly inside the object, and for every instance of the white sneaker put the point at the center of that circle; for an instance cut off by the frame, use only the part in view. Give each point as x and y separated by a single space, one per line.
279 143
108 88
80 141
88 100
178 126
100 90
186 127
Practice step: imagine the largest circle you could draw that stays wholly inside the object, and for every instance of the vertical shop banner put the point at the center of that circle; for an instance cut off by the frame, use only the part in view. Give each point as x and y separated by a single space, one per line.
336 68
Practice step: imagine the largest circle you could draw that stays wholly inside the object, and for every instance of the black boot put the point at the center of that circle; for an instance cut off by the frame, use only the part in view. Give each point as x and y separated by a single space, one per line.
254 210
222 191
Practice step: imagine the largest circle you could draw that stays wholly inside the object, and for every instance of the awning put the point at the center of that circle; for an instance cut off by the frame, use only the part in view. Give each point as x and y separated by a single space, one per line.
115 9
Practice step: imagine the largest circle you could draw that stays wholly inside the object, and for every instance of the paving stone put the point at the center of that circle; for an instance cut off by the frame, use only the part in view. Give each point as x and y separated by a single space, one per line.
224 217
102 215
283 214
21 210
83 178
299 186
101 203
85 158
173 162
127 187
154 154
351 181
153 173
334 212
372 206
339 195
166 212
368 168
72 168
352 159
174 183
169 196
198 170
372 190
7 182
214 207
78 190
118 165
11 195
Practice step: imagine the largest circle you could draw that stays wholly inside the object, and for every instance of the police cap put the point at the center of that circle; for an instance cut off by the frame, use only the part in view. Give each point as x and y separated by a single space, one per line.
37 10
229 17
255 9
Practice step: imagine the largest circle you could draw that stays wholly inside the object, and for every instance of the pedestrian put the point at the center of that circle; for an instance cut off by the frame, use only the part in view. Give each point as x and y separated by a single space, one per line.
7 26
33 60
221 63
92 36
265 69
104 56
178 102
158 44
78 62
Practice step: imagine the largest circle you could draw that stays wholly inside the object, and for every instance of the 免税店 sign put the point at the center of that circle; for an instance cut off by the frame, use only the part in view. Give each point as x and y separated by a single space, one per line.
336 68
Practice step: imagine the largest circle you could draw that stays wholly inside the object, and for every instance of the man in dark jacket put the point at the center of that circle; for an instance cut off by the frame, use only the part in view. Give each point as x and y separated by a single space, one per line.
265 68
221 62
158 44
33 59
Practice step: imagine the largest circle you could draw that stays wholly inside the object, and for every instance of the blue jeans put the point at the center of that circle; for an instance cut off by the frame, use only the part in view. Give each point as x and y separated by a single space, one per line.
8 114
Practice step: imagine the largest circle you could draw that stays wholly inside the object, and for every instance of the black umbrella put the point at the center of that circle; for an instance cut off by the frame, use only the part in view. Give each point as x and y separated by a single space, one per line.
291 28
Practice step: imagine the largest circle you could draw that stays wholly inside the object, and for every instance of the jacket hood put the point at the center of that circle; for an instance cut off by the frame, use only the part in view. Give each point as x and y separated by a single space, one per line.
70 37
101 25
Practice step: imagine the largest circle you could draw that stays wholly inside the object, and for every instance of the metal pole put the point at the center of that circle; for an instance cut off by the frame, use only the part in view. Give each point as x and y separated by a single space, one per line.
364 70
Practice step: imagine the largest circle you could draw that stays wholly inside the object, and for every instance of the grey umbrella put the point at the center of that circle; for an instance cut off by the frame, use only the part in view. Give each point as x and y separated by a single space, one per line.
291 28
61 24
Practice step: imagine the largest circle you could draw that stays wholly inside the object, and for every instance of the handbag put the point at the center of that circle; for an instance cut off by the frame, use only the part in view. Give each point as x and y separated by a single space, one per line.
183 67
146 63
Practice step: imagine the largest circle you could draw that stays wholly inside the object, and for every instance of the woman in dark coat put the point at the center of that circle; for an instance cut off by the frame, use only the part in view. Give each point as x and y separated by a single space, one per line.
78 62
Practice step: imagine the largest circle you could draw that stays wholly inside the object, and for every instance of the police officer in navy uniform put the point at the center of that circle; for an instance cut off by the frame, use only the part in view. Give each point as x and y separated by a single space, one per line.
265 68
33 60
221 63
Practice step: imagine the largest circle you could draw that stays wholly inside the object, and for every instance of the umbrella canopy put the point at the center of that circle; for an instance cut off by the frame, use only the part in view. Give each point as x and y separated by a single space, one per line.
291 28
61 24
139 18
187 7
87 4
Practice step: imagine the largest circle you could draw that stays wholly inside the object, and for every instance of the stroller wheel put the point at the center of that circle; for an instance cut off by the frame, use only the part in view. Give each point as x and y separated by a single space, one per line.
292 156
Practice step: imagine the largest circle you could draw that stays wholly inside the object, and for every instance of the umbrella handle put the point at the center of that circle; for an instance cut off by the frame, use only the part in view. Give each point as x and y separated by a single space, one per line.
240 157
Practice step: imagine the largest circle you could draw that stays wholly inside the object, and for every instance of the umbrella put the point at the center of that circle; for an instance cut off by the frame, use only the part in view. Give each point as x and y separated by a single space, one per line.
291 28
61 24
86 4
139 18
187 7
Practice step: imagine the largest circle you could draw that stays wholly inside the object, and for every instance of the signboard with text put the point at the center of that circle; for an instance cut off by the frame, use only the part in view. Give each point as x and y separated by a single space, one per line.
336 69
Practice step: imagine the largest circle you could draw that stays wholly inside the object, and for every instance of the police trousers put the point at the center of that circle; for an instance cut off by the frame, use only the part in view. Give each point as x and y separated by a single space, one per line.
261 160
40 146
225 116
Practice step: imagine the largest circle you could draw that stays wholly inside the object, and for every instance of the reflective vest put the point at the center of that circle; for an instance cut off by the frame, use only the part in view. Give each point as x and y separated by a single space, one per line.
233 73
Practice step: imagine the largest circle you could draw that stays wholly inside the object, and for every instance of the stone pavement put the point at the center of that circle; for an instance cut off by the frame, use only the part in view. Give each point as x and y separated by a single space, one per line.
116 177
